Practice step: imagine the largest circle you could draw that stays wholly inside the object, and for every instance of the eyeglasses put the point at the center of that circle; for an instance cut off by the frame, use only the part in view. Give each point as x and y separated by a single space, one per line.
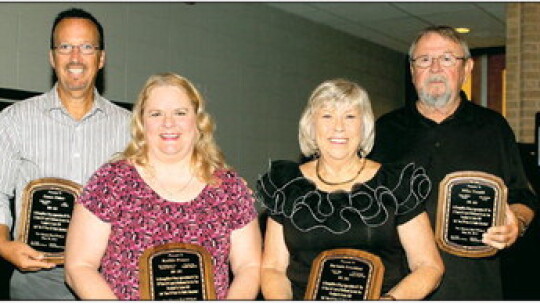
446 60
84 48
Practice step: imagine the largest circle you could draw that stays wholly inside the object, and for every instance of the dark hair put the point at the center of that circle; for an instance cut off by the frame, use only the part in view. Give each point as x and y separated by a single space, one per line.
78 13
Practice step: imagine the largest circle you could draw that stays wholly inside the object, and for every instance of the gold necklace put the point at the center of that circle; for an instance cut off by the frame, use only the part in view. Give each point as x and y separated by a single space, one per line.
339 183
157 183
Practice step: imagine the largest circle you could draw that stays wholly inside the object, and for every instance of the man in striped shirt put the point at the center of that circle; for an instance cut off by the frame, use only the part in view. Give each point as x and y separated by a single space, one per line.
66 133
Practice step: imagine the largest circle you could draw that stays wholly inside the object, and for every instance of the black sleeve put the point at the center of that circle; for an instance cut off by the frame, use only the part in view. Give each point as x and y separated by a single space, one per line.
519 189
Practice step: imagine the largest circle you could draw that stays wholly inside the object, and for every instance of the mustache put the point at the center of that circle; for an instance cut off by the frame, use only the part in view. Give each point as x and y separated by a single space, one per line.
436 78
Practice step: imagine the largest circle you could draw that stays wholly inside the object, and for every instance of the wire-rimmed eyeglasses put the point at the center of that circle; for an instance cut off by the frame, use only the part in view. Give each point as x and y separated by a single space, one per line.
446 60
84 48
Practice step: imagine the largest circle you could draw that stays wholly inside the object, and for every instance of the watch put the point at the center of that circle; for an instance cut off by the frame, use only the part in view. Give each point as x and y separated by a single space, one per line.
522 225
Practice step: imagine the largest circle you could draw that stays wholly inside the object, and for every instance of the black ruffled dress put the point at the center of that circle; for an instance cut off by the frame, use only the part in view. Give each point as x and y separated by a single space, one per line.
365 218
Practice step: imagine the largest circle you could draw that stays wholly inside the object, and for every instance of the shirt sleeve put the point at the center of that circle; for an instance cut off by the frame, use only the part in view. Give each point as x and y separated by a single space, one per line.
9 165
98 194
411 189
269 194
241 201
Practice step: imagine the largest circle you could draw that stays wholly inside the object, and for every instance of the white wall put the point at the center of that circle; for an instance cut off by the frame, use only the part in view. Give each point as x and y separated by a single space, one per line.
255 65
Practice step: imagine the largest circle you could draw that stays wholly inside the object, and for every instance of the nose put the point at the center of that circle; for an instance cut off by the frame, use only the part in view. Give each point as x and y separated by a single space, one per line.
338 126
75 54
435 64
168 120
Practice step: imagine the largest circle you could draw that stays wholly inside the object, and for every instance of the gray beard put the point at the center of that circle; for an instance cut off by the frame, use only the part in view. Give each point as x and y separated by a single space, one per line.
438 101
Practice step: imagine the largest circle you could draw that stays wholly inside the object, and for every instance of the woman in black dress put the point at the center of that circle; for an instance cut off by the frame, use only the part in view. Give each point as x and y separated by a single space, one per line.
341 199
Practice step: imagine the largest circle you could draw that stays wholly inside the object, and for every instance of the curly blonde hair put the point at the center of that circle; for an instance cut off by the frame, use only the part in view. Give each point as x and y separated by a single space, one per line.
207 156
336 92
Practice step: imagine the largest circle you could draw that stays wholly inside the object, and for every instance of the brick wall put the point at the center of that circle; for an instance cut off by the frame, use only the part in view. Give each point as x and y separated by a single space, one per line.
523 68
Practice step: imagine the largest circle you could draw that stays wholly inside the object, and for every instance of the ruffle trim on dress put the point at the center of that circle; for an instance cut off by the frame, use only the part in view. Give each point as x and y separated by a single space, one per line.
297 198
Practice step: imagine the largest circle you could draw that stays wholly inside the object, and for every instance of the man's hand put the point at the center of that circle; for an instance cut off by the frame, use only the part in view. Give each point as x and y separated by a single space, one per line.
503 236
24 257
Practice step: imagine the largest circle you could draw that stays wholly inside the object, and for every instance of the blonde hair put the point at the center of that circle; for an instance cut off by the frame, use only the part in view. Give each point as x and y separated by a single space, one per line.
207 156
337 92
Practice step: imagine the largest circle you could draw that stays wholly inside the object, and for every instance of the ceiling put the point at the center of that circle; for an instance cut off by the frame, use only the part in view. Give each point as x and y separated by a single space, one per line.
395 24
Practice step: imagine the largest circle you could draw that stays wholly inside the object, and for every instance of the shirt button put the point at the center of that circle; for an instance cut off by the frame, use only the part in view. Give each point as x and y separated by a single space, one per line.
437 144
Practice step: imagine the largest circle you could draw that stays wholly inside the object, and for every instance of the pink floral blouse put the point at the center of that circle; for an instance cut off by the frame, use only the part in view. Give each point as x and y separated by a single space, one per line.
140 219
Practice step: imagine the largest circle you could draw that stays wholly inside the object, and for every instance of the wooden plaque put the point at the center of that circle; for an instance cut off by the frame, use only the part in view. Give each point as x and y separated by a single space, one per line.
469 203
47 206
176 271
345 274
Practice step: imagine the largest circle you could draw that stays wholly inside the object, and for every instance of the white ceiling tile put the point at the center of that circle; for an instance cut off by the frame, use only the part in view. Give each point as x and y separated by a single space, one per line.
395 24
497 9
423 8
360 11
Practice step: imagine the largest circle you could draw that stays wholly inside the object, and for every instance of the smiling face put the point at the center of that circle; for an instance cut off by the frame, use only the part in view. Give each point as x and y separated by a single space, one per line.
170 124
76 72
438 85
338 131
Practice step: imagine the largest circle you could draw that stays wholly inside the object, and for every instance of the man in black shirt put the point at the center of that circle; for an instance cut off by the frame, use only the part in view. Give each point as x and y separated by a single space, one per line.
444 132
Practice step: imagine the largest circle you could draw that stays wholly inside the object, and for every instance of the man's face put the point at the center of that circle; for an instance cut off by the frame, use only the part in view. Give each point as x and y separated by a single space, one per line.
76 72
437 85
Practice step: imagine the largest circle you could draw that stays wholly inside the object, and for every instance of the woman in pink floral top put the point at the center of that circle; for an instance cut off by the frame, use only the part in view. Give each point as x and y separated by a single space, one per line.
170 185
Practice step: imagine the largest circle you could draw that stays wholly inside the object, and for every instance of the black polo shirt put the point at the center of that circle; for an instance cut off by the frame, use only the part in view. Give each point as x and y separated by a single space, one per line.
473 138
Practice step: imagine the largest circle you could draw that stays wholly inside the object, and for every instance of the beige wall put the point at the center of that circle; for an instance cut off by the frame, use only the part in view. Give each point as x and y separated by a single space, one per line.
256 65
523 68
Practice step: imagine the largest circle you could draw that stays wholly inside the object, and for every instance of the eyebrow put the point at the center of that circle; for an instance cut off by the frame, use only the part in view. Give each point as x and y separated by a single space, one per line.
175 109
445 52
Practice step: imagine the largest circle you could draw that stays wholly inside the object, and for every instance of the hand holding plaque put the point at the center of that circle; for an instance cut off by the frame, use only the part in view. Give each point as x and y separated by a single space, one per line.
345 274
470 202
176 272
47 205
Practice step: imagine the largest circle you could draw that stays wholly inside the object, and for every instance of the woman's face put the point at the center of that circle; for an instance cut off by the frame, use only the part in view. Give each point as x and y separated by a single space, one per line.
170 124
338 131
